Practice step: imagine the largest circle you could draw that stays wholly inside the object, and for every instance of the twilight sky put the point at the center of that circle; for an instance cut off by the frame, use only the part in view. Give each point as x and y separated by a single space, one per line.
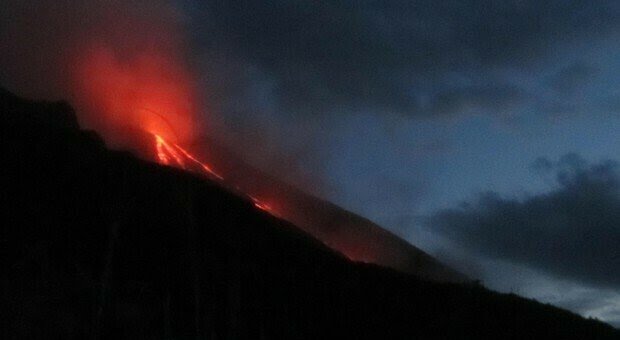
484 132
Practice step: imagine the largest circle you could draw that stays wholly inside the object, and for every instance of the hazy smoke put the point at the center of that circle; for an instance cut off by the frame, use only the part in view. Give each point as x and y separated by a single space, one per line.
112 59
108 58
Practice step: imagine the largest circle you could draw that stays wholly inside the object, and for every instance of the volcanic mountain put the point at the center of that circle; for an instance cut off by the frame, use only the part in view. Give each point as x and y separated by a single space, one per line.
99 243
355 237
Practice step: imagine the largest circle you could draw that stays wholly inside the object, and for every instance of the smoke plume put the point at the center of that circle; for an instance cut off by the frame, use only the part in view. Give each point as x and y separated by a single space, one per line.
122 64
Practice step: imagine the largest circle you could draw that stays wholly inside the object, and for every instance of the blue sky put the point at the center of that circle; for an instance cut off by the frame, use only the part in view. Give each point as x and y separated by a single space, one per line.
443 163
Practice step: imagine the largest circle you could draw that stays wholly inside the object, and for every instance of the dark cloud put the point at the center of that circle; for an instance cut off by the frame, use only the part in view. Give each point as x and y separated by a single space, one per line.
542 165
390 56
572 78
497 100
41 38
572 231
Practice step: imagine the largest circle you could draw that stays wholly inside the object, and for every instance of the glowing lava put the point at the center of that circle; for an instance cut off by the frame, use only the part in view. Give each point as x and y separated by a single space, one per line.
165 152
261 205
150 89
168 152
171 154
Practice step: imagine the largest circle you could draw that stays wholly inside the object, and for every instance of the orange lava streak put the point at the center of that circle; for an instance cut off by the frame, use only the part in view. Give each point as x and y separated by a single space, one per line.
204 167
261 205
172 154
161 154
164 150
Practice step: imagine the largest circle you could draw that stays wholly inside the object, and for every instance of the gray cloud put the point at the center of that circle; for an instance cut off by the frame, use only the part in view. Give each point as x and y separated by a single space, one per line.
572 78
572 231
498 100
389 56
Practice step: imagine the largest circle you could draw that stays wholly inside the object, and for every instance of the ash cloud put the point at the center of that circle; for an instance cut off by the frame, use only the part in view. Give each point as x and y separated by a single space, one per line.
571 232
41 38
63 49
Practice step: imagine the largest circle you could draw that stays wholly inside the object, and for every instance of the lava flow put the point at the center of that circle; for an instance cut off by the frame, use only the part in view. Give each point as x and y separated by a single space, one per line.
167 152
171 154
153 91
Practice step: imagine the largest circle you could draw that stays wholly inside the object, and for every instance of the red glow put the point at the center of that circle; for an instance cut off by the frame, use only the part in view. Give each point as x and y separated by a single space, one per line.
149 90
262 205
166 153
172 154
205 168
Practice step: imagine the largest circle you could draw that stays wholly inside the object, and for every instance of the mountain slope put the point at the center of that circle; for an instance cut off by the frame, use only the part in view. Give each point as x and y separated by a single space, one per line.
356 237
96 243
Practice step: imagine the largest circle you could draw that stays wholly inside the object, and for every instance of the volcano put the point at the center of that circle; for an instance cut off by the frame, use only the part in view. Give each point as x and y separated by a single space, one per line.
103 244
353 236
357 238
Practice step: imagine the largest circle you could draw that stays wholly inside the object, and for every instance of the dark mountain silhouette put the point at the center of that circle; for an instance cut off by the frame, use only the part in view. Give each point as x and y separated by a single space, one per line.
97 243
356 237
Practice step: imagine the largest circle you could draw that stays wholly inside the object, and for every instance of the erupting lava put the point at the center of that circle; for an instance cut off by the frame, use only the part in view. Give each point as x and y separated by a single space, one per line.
171 154
168 152
145 100
149 91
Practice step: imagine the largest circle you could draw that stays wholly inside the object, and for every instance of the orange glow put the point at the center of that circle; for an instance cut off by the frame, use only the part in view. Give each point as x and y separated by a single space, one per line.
262 205
122 94
146 90
150 90
207 169
165 152
171 154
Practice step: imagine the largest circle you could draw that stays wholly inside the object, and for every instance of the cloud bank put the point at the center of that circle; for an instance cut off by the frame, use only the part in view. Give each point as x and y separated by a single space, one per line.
572 232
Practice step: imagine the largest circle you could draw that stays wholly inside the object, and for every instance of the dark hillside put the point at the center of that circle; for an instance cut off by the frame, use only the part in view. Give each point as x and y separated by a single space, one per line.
354 236
96 243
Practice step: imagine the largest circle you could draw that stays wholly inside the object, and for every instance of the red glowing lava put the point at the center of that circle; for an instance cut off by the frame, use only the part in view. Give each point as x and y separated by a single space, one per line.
123 94
149 90
171 154
261 205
